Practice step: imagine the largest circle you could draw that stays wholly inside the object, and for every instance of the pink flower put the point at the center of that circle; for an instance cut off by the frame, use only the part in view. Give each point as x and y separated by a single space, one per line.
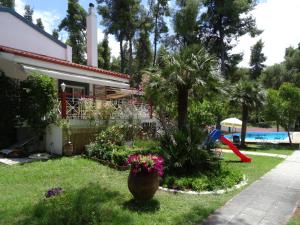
146 163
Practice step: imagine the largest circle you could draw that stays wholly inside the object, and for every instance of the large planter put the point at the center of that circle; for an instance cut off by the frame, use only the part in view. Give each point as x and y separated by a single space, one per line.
143 185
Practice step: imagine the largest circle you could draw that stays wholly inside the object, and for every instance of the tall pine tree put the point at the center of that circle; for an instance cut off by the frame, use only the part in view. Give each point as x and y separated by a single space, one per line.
159 10
55 33
185 22
8 3
28 13
104 54
75 24
222 22
257 60
120 17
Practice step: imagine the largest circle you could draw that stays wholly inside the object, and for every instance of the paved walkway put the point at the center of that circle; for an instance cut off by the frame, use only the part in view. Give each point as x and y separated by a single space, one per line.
271 200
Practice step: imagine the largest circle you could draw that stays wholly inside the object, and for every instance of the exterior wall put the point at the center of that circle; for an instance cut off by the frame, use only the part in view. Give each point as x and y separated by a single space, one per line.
54 140
20 35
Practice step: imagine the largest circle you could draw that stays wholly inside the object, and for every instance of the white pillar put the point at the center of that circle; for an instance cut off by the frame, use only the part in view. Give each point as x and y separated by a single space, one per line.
92 48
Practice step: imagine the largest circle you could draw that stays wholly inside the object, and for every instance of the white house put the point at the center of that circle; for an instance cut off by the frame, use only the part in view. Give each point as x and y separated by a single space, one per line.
24 48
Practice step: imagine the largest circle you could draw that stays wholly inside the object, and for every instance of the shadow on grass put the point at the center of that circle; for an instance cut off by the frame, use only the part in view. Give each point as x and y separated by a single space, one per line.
90 205
140 206
233 161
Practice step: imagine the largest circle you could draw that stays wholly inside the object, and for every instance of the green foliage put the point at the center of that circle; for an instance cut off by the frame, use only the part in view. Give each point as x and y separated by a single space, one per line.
55 33
257 59
104 54
224 21
206 112
185 22
225 178
38 97
159 10
39 23
9 98
121 18
109 144
8 3
28 13
75 24
183 153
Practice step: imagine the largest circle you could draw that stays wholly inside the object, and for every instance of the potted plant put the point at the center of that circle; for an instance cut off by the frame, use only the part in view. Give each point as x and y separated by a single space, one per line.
143 180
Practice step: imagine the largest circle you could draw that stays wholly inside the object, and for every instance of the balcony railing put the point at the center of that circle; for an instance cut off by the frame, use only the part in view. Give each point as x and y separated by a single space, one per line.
85 107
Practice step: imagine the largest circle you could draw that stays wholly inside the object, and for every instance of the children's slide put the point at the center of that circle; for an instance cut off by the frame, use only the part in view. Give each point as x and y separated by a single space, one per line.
216 134
236 151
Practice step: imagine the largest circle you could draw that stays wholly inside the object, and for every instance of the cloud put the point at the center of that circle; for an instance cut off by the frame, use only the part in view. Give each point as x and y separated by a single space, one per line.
280 22
50 18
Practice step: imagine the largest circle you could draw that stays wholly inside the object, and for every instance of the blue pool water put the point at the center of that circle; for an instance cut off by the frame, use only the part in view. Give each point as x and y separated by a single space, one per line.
256 136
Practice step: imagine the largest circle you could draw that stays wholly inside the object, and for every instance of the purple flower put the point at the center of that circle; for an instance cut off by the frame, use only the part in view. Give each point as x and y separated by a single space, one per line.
53 191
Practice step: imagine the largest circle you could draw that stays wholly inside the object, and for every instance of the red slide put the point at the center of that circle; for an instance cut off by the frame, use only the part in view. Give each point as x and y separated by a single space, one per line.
236 151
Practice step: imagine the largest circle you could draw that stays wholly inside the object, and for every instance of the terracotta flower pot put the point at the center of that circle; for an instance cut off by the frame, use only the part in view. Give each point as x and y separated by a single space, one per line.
143 185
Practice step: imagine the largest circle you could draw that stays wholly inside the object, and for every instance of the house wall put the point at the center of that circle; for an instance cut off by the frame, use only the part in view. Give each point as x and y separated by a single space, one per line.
20 35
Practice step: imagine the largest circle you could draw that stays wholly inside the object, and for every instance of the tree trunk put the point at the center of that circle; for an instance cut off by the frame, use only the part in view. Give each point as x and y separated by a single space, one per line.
182 106
289 134
223 68
245 114
277 126
155 36
218 124
122 56
130 57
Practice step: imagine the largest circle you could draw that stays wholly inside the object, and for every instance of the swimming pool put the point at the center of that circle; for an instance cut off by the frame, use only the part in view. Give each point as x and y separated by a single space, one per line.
256 136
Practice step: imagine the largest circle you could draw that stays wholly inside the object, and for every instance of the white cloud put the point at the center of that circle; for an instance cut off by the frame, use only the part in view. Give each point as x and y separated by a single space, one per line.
280 22
49 18
113 44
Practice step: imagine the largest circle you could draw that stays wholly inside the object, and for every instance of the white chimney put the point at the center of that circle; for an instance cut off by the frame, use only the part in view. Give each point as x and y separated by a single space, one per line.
92 48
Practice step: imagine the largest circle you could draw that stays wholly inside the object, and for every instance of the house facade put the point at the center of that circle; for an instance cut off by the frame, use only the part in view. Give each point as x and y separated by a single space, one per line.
25 48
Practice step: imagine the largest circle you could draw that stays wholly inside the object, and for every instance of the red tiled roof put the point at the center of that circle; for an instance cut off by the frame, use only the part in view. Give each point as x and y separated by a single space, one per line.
61 62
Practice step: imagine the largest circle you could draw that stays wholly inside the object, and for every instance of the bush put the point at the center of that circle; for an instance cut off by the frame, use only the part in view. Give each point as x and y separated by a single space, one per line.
226 178
184 154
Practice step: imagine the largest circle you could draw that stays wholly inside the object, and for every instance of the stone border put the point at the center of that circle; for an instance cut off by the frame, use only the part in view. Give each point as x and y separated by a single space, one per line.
217 192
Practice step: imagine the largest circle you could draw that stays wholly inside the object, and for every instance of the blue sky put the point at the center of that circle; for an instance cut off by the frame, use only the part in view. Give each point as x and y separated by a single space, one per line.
278 18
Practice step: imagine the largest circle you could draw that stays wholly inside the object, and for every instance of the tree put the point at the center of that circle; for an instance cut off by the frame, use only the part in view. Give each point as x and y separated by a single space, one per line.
225 21
143 55
247 95
185 22
55 33
8 3
257 59
28 13
159 10
104 54
183 72
75 24
115 64
121 18
272 108
39 23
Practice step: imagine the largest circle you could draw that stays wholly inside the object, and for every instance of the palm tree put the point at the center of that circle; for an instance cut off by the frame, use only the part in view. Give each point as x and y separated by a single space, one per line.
249 96
187 70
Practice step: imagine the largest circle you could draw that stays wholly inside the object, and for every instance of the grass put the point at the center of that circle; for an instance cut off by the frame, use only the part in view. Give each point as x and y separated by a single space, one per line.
268 148
96 194
295 220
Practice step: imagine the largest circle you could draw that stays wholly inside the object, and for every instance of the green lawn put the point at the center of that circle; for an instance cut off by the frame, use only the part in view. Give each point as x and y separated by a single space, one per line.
96 194
269 148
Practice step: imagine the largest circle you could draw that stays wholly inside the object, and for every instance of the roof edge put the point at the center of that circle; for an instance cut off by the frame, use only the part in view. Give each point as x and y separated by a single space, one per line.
32 25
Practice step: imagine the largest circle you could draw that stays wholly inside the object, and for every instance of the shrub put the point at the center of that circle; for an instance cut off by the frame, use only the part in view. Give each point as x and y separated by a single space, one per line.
184 153
226 178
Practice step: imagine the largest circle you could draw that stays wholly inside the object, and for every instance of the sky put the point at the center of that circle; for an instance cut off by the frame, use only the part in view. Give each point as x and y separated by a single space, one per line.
279 20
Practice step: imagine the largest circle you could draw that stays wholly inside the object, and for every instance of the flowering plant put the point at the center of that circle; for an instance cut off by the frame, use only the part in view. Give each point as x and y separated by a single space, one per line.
53 191
146 164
